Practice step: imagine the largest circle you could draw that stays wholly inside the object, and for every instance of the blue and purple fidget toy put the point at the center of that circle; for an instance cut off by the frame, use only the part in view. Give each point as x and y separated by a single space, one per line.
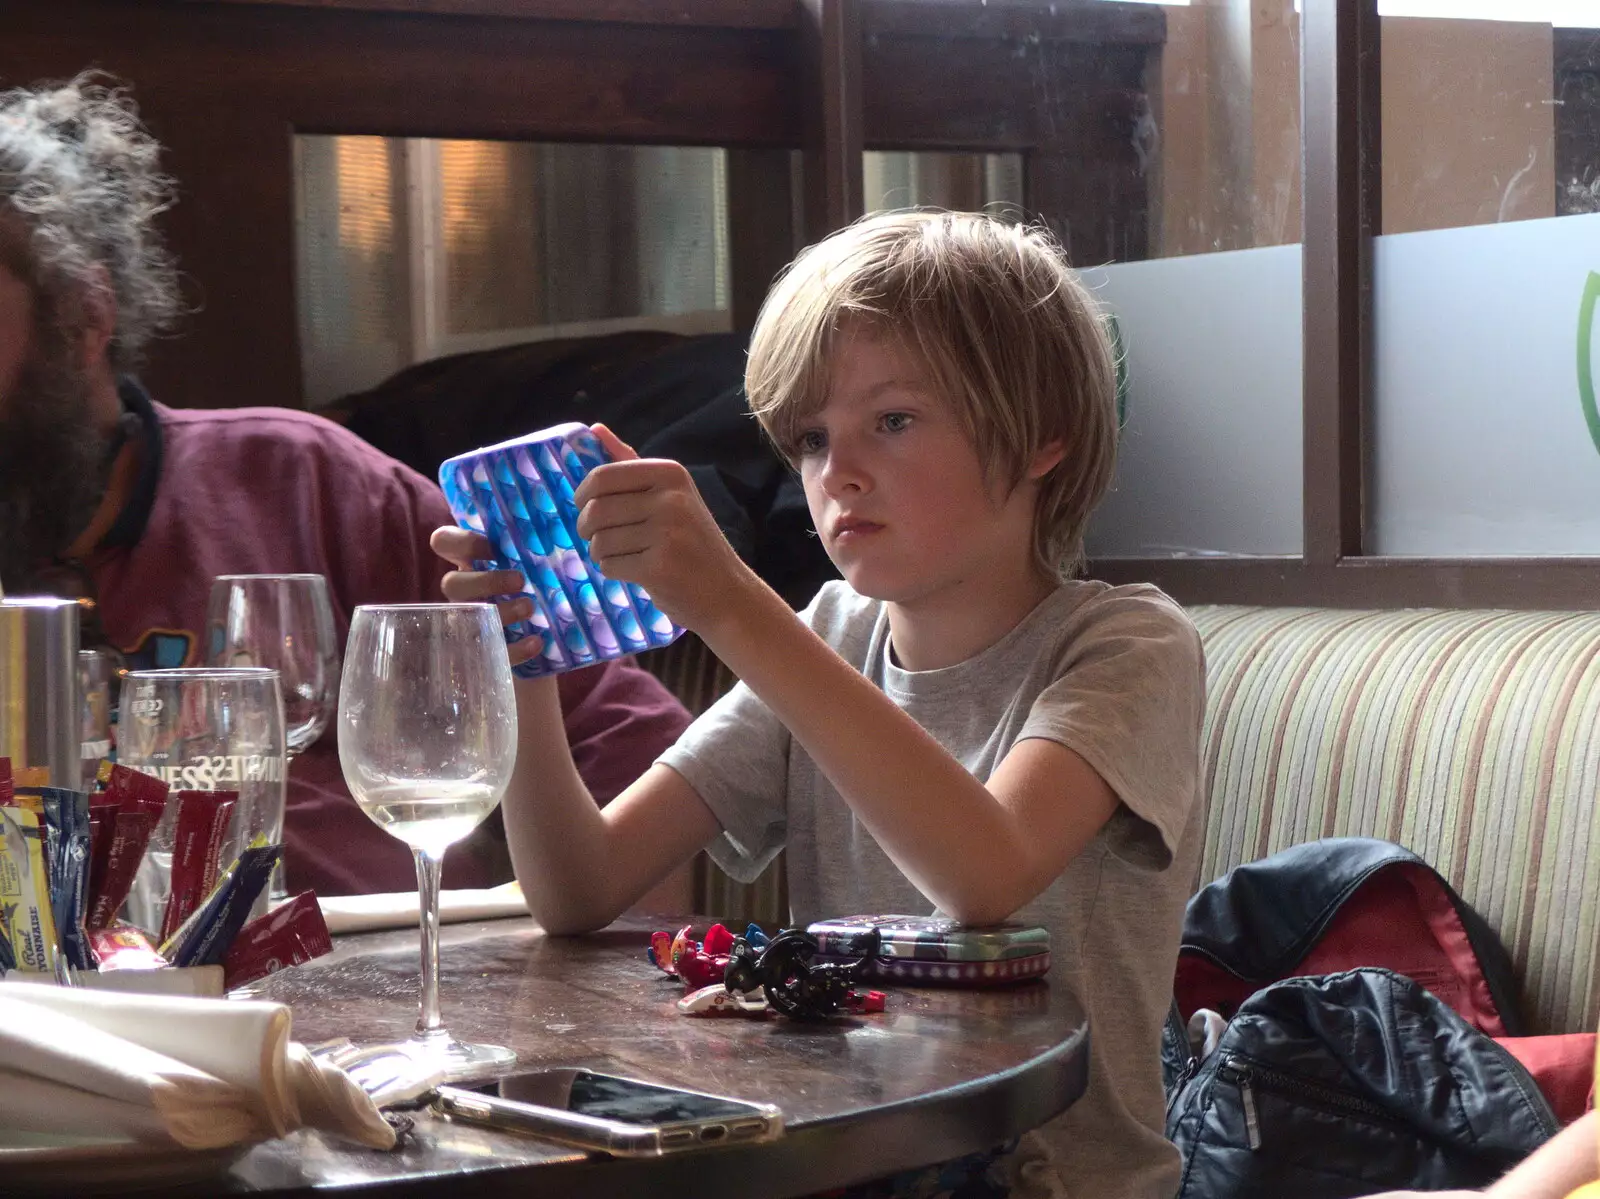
519 495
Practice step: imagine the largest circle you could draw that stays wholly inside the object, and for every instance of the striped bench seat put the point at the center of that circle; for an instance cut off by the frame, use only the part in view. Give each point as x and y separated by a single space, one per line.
1471 737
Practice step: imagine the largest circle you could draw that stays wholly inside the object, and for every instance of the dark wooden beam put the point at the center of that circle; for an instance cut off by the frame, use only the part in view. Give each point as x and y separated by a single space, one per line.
1063 85
1093 21
1557 584
1341 196
1577 113
920 92
762 229
723 14
831 41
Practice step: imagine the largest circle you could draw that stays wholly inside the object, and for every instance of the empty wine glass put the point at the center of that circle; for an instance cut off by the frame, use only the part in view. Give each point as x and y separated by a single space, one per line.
284 623
203 729
427 739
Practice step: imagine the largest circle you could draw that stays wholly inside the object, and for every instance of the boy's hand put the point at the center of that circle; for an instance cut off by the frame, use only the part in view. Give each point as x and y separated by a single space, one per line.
464 585
646 523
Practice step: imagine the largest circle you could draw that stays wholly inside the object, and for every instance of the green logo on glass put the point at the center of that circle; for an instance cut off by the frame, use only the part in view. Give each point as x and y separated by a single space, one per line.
1591 294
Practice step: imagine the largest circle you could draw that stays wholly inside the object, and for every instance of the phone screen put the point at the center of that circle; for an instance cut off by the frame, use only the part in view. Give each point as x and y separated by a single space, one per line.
607 1096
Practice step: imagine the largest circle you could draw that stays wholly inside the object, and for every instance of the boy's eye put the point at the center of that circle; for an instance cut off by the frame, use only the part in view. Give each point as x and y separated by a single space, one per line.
810 442
896 422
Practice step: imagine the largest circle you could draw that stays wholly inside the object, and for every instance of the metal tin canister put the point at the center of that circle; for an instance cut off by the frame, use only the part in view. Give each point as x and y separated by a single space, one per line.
40 721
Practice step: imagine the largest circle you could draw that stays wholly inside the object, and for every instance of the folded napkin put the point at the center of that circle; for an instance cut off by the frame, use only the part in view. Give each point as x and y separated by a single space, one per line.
199 1073
400 909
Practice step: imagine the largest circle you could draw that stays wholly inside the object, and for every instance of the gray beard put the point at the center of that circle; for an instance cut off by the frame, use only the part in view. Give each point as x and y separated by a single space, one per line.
53 465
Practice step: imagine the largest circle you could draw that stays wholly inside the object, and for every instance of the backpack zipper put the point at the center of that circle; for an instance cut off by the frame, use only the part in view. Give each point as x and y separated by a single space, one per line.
1190 1069
1252 1121
1243 1074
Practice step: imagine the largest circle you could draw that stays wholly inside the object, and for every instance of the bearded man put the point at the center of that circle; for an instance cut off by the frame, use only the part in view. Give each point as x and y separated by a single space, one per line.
108 495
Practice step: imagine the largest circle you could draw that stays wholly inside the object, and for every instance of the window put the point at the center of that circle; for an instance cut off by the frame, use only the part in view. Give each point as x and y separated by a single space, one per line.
411 249
1485 438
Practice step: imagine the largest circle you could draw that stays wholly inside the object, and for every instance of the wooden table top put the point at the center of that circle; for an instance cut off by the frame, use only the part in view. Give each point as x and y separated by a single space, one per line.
938 1074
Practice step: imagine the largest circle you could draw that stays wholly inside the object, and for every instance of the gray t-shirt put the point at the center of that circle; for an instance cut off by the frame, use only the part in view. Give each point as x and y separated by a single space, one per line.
1113 673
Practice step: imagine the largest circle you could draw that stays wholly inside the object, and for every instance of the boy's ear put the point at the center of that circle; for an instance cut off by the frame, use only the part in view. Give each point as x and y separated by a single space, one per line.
1045 459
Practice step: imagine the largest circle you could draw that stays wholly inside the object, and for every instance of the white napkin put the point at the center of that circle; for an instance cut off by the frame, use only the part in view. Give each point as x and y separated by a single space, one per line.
400 909
200 1073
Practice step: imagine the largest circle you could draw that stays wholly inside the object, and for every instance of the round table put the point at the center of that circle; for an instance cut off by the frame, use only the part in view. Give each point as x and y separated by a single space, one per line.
938 1074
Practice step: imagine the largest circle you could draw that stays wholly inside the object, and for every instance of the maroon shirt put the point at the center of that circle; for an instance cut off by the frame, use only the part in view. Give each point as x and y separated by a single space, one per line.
270 491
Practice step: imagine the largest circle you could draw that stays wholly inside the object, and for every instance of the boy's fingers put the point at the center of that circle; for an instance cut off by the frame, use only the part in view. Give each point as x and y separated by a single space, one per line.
619 450
617 478
459 546
475 586
524 650
627 508
513 610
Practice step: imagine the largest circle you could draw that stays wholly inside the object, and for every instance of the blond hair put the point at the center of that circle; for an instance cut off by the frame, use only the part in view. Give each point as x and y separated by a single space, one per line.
992 310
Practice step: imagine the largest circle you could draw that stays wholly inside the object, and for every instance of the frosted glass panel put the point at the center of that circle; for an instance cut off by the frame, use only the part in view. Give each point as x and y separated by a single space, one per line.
1469 123
490 205
411 249
598 232
1210 459
1481 446
1484 442
1148 133
350 210
905 178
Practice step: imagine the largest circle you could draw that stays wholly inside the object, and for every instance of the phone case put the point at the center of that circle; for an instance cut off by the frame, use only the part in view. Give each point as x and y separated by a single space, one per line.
918 972
740 1121
519 495
932 938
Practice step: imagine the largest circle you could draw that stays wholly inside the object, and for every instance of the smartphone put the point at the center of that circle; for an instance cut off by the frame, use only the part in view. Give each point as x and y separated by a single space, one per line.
625 1117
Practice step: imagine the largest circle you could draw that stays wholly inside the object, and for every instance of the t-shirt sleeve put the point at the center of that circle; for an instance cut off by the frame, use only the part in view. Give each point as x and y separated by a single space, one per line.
1129 699
736 757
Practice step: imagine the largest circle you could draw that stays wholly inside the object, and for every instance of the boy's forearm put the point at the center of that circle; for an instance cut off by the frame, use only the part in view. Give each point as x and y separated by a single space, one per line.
1558 1167
886 766
554 831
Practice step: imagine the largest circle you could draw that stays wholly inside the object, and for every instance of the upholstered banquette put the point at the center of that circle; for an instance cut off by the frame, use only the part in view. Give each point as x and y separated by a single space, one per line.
1472 737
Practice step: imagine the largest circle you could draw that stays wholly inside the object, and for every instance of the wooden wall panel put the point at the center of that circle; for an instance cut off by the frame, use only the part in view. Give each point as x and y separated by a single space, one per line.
1067 90
226 86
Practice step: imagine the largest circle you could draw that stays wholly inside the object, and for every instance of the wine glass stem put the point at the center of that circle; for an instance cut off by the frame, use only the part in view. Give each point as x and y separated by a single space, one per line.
429 869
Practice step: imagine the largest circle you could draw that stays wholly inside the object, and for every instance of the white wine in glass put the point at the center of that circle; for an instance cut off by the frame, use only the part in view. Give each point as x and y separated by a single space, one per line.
427 740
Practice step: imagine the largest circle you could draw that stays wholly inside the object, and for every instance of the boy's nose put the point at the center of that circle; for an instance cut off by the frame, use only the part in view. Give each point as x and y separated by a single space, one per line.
842 473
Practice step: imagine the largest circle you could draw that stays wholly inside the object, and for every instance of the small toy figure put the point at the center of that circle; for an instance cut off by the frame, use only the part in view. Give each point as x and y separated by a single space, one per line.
794 985
660 953
717 1000
753 974
700 969
865 1003
698 963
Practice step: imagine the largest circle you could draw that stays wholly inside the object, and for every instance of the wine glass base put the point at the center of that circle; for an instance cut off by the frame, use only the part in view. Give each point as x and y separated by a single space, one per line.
459 1061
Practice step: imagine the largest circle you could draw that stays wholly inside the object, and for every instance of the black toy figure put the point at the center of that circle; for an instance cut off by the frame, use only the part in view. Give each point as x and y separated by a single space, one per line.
794 985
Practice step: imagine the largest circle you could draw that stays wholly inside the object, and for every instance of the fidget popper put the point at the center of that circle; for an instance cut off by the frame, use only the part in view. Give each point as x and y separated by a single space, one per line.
518 494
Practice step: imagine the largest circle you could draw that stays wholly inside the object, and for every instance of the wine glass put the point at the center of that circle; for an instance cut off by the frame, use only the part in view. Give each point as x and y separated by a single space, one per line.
203 729
100 672
284 623
427 739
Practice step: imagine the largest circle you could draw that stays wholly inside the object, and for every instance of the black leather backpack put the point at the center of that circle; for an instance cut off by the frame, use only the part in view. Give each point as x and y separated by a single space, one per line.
1349 1084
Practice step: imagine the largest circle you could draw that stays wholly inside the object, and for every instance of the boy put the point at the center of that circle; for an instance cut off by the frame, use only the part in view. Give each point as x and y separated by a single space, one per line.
955 725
